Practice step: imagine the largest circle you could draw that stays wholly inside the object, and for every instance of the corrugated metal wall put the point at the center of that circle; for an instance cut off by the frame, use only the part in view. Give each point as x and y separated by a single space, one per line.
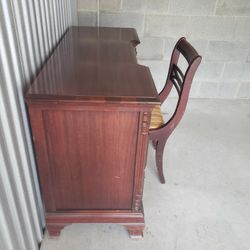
29 30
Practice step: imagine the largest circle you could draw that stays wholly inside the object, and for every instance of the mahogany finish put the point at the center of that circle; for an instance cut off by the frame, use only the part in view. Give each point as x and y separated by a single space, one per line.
182 81
89 110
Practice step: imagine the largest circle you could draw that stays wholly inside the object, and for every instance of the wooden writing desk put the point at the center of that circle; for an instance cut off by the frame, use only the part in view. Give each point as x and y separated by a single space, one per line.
90 110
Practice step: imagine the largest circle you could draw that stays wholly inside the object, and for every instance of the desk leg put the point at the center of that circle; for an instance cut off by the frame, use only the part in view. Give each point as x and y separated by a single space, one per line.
133 221
135 232
55 229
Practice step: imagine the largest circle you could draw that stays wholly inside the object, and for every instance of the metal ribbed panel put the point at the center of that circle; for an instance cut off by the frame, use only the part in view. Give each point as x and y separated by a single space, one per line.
29 30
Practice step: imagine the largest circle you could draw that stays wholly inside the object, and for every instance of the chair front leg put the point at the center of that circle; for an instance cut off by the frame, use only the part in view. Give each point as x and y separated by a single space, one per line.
159 159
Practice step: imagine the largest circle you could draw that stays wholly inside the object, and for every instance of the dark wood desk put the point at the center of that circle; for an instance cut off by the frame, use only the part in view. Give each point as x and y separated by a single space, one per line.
90 110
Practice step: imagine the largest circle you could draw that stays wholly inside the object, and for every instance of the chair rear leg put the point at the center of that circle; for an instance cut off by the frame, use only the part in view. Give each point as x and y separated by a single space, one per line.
159 159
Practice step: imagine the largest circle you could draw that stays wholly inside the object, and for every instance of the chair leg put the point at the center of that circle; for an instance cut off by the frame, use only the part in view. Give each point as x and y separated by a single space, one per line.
159 159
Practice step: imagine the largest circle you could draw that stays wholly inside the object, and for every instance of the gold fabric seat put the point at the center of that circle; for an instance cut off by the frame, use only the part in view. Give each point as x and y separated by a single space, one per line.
156 117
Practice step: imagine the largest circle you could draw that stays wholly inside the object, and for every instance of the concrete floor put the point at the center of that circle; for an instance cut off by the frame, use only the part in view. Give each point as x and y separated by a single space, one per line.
205 204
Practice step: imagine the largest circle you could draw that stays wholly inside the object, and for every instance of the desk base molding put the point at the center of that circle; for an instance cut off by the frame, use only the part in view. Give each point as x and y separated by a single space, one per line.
133 221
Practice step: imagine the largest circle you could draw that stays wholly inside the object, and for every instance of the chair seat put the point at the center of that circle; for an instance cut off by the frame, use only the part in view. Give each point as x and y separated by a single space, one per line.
156 118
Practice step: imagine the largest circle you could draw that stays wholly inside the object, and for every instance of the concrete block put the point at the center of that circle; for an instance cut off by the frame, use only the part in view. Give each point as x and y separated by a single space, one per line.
228 89
133 5
173 93
86 5
211 28
159 69
191 7
87 18
208 89
159 83
209 71
194 91
166 26
169 46
157 5
110 4
182 64
233 8
236 72
151 48
244 90
244 44
226 51
242 30
125 19
199 45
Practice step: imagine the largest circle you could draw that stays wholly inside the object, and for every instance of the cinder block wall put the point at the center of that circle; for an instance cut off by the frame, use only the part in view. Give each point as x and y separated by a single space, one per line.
218 29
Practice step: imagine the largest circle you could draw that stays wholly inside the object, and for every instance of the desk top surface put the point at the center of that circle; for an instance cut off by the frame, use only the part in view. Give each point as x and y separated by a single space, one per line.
95 64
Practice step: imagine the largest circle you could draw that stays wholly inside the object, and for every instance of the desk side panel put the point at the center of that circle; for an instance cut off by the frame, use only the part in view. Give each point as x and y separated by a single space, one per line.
90 158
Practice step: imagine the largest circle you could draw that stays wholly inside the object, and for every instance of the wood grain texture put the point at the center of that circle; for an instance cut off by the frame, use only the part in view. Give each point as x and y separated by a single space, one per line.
80 146
91 81
133 221
90 109
86 66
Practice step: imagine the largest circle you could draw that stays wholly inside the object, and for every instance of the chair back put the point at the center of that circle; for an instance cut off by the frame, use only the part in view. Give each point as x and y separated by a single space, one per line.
181 80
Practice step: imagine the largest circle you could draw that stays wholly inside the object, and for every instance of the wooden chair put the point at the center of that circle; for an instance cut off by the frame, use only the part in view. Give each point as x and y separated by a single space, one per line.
159 131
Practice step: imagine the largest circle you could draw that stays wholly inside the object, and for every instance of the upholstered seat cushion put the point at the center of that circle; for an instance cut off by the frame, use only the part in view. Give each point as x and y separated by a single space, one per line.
156 117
